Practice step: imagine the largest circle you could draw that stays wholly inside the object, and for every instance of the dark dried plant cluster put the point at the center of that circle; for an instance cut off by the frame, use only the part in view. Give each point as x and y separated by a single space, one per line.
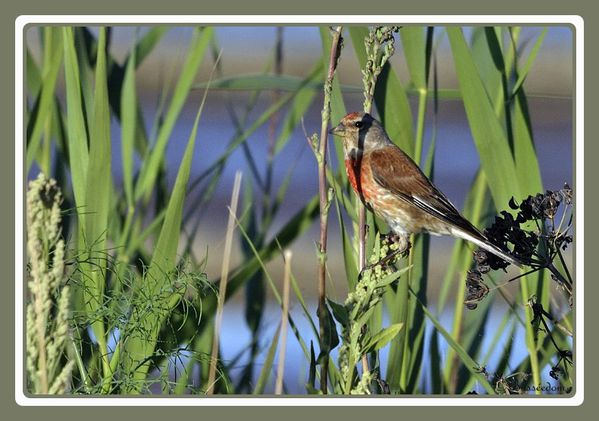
537 235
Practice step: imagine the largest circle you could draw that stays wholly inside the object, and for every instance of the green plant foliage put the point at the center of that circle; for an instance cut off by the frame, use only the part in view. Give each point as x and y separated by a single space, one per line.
126 285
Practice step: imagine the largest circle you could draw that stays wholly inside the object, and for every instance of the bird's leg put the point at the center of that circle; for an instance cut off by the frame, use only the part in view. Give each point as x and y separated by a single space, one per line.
403 248
402 241
390 238
381 262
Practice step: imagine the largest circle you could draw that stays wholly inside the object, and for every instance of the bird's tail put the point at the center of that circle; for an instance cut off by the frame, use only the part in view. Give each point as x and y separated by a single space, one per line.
491 248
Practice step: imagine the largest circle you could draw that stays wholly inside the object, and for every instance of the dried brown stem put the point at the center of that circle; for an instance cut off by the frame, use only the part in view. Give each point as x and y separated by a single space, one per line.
324 200
362 255
223 282
272 127
284 323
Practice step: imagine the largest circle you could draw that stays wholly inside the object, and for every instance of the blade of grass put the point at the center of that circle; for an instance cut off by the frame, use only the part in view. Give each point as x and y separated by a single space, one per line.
468 362
151 166
76 125
53 53
497 148
86 49
349 253
128 127
259 257
143 48
261 81
490 63
529 62
301 221
435 370
292 229
268 363
97 199
513 110
33 74
418 47
414 40
475 202
157 283
298 109
475 329
264 117
527 163
223 281
147 43
508 348
493 346
489 137
275 292
284 321
337 105
520 136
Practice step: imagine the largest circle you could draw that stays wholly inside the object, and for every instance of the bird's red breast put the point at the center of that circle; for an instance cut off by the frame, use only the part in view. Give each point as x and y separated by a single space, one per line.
351 167
359 175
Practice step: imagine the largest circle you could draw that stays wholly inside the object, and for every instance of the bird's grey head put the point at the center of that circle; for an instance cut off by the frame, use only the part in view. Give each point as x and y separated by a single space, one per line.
360 132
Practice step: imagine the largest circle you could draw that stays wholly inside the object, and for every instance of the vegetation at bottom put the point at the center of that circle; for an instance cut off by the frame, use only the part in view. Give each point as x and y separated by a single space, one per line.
117 296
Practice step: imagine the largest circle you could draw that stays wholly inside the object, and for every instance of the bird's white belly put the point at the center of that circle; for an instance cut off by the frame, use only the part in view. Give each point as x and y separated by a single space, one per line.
405 221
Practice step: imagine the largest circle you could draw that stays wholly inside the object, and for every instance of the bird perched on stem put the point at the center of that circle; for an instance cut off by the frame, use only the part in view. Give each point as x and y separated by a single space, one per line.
390 184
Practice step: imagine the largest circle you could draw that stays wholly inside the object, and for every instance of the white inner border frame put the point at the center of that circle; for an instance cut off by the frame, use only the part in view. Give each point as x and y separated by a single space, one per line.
575 21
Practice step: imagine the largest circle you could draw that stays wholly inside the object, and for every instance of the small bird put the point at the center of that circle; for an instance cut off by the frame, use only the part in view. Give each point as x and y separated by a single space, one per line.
390 184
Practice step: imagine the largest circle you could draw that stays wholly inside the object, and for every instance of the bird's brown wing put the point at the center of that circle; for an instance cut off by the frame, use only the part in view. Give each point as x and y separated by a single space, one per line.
395 171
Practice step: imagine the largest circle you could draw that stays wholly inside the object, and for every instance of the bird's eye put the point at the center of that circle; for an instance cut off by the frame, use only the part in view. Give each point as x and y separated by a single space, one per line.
358 124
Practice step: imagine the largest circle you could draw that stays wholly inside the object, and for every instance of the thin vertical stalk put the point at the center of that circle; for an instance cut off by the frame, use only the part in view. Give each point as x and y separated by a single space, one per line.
422 103
530 339
451 370
284 323
412 276
222 290
325 200
40 337
272 128
362 252
379 47
369 99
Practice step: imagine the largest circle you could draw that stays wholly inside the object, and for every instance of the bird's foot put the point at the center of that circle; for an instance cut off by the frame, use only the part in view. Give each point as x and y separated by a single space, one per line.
397 245
402 242
390 238
383 263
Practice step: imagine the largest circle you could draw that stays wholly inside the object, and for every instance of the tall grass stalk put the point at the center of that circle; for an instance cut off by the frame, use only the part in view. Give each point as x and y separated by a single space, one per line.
474 211
325 201
379 45
284 323
48 309
223 281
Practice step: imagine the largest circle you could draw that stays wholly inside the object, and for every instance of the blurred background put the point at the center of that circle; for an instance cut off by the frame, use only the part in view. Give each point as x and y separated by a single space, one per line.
248 50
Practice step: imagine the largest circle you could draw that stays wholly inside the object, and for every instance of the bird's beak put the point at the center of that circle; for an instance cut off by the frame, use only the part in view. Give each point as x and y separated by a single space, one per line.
338 131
